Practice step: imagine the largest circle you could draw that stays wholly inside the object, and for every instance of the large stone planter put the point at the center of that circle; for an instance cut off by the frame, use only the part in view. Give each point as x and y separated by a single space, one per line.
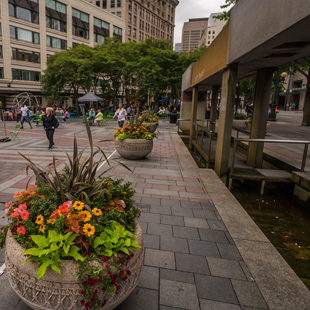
62 292
151 126
134 148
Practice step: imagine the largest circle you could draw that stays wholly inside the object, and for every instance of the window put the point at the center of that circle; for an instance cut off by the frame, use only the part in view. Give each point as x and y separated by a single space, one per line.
135 8
112 4
22 13
57 6
213 32
134 33
56 43
129 18
1 77
119 3
78 29
98 3
99 38
130 5
104 4
56 24
24 55
25 35
117 30
101 24
134 20
80 15
1 55
119 14
129 30
26 75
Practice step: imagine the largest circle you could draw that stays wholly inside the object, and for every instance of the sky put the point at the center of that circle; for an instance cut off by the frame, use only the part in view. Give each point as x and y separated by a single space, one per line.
194 9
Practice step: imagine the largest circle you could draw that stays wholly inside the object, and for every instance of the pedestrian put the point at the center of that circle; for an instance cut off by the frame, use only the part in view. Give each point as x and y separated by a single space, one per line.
129 111
24 118
49 124
121 115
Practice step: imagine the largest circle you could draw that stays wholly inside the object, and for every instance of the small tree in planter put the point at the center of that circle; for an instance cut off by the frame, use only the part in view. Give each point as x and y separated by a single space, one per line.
134 141
73 240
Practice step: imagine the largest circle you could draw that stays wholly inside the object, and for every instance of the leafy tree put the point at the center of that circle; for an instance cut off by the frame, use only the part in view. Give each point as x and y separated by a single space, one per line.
226 14
67 72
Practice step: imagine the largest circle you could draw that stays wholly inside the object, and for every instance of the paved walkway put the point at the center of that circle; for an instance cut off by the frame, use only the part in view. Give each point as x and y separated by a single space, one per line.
203 251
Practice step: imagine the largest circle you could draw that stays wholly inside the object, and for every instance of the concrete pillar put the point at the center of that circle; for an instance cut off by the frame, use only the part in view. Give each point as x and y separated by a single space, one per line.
260 116
213 113
186 109
193 114
228 93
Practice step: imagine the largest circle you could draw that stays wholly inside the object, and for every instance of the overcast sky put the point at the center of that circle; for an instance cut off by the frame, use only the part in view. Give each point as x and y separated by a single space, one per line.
194 9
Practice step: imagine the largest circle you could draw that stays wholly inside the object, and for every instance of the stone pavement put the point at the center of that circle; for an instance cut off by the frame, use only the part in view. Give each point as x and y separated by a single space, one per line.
202 249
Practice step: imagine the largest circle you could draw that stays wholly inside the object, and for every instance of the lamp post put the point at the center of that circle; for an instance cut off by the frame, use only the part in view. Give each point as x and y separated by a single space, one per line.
273 114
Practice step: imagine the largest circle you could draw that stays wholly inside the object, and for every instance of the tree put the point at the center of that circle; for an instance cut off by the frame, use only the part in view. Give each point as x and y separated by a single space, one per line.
226 14
67 72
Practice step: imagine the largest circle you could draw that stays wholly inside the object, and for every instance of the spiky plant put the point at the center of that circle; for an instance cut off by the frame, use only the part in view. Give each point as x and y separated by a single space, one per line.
78 180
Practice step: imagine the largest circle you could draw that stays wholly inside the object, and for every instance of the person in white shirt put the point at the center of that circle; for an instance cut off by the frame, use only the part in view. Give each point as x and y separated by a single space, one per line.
121 115
24 118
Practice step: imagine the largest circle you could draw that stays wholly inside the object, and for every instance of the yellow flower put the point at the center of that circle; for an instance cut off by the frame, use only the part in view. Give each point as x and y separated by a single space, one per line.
124 193
40 220
97 212
78 205
59 212
51 221
87 215
42 228
89 230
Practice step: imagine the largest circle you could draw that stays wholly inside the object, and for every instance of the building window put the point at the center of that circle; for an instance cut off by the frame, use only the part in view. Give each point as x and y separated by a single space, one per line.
129 30
56 43
134 33
57 6
130 5
119 14
129 18
101 30
119 3
1 55
22 13
1 77
98 3
135 8
25 35
104 4
24 55
134 20
56 24
112 4
117 30
80 24
26 75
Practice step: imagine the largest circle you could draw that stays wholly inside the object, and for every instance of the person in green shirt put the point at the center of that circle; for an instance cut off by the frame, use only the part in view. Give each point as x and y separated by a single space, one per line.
99 117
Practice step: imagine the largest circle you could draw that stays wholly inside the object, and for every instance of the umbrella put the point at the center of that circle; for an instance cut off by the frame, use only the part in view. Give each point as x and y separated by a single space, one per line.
90 97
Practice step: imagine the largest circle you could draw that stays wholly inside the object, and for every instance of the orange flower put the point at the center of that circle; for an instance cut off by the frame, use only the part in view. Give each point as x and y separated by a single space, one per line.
54 215
64 208
21 230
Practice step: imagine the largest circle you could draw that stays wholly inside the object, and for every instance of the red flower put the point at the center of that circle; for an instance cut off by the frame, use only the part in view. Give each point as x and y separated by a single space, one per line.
54 215
25 215
22 207
82 302
14 215
21 230
103 304
121 272
124 279
84 283
95 292
93 299
128 272
100 277
83 293
87 305
121 260
107 266
105 259
64 208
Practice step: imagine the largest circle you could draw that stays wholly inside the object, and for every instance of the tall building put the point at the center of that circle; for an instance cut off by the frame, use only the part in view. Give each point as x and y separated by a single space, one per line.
32 30
212 30
192 32
178 47
144 19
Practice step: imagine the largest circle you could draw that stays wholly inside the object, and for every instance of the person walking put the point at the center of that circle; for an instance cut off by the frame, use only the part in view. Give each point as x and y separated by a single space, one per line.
121 115
49 124
24 117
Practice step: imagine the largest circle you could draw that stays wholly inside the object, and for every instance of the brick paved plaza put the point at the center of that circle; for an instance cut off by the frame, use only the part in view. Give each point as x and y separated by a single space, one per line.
202 249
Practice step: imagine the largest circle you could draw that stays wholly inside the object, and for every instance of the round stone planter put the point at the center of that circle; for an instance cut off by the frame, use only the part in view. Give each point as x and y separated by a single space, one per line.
134 148
62 292
151 126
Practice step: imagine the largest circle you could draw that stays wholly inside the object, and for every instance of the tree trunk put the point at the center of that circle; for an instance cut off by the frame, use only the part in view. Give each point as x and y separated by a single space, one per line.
76 94
306 114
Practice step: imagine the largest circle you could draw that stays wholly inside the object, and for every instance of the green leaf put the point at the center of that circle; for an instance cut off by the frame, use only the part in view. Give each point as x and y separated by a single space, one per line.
74 252
42 269
56 268
98 241
125 250
40 241
32 251
128 242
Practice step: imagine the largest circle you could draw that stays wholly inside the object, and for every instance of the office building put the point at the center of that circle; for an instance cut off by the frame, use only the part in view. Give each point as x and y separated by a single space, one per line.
192 32
178 47
32 30
212 30
144 19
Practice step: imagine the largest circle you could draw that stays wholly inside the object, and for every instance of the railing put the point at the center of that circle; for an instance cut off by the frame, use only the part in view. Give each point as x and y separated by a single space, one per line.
247 132
210 134
188 120
304 159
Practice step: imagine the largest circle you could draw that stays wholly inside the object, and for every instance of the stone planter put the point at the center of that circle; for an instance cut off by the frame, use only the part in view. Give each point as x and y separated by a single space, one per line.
62 292
134 148
151 126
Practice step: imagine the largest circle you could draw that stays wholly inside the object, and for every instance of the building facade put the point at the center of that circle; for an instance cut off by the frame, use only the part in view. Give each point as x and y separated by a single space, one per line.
178 47
32 30
192 32
212 30
144 19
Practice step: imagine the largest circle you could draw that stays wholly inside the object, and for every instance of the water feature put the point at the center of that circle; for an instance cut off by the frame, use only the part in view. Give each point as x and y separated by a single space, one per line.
284 222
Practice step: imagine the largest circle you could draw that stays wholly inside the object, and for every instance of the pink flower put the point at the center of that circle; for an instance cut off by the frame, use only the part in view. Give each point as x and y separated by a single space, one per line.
69 204
14 215
123 203
7 204
22 207
25 215
21 230
16 195
107 266
6 211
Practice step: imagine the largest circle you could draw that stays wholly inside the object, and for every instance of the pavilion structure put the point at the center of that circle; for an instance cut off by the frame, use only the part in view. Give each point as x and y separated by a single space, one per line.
260 38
